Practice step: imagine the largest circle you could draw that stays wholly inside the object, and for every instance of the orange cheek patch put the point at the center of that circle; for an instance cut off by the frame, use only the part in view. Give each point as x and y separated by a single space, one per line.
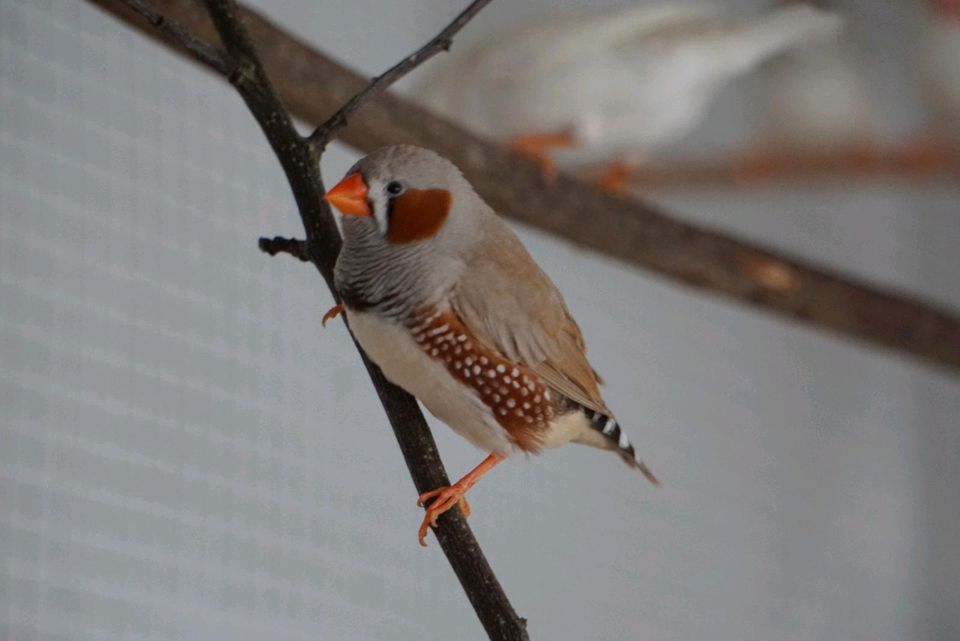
417 214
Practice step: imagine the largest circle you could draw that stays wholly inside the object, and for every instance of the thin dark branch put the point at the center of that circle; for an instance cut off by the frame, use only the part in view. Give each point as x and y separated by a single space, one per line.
201 50
299 159
441 42
280 245
300 164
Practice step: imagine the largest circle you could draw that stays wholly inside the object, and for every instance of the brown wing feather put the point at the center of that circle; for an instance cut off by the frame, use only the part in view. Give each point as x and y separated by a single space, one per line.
508 302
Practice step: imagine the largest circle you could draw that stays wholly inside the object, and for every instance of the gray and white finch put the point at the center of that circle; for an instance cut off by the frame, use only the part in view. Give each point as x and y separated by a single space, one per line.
444 298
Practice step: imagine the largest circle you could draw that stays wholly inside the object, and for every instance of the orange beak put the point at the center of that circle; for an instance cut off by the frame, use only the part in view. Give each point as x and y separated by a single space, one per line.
350 196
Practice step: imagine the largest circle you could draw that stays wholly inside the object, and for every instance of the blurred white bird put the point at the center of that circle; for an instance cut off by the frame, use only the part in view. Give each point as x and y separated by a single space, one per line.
821 101
615 85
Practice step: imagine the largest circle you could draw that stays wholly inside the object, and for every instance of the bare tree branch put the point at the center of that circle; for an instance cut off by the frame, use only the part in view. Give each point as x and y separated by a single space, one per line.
201 50
441 42
314 86
299 159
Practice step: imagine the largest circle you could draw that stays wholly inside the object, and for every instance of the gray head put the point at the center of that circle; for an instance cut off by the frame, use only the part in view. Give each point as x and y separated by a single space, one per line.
410 222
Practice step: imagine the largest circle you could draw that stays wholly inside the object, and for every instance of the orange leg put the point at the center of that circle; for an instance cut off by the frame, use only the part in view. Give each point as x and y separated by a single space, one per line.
537 147
445 498
332 313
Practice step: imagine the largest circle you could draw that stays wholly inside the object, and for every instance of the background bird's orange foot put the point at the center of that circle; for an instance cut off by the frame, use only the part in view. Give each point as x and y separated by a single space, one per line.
615 177
537 147
444 498
332 313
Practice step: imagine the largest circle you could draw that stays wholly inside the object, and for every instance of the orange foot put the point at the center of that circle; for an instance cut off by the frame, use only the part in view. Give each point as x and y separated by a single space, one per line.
537 147
332 313
615 176
445 498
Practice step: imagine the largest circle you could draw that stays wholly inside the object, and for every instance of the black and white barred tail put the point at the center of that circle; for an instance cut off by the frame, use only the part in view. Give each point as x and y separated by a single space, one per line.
610 429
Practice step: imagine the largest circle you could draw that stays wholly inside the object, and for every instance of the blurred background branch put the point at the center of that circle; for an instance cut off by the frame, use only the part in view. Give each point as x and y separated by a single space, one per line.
314 87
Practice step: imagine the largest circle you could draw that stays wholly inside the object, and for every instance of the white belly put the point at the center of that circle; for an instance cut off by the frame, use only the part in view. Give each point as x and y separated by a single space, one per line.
392 347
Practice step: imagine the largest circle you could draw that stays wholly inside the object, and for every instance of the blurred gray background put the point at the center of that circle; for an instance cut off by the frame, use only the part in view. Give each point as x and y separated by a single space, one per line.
184 454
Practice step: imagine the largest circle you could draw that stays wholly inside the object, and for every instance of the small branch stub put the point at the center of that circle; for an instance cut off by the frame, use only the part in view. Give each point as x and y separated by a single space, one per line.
280 245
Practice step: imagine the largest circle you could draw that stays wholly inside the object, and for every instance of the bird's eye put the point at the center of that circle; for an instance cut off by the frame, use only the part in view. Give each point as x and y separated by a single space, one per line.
394 188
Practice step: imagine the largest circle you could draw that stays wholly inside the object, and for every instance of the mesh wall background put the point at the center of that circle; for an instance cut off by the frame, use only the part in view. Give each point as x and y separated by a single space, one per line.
185 455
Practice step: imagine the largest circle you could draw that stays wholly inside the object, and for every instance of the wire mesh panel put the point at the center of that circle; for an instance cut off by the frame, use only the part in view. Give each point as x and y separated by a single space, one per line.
183 454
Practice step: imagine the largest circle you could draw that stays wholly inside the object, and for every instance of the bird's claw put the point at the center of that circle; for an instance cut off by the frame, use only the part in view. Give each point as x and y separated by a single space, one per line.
444 498
332 313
